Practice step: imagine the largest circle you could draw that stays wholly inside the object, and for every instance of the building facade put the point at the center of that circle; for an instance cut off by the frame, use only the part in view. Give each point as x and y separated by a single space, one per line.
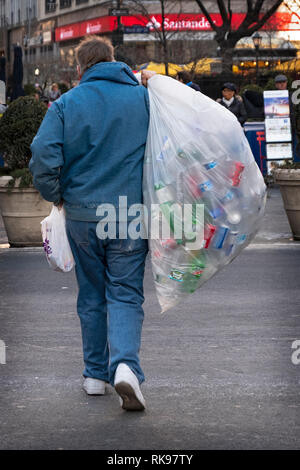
18 22
49 31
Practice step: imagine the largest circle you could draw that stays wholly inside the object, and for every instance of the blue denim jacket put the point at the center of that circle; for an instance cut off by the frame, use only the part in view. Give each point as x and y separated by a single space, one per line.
90 147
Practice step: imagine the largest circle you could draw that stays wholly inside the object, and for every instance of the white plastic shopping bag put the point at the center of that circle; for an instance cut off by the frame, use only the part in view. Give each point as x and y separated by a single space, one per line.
55 241
197 155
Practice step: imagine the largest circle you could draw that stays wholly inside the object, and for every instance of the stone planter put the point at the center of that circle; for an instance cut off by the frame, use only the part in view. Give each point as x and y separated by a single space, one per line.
289 183
22 212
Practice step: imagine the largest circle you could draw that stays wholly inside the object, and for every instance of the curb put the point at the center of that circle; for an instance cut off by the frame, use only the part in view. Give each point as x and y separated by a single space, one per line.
287 244
28 249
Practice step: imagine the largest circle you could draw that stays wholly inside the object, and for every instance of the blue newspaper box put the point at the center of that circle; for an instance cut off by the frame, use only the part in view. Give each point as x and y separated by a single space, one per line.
255 133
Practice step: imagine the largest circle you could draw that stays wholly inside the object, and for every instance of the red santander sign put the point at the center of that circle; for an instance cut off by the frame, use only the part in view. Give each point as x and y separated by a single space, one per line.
172 22
104 24
191 22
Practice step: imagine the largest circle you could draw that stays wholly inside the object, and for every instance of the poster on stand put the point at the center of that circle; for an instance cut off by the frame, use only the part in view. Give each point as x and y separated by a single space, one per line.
278 130
279 151
278 125
276 104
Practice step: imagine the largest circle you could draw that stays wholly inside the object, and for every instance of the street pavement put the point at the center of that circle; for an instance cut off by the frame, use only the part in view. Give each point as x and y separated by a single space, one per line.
218 367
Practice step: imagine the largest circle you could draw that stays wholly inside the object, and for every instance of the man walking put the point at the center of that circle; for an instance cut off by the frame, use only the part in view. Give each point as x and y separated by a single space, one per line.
88 152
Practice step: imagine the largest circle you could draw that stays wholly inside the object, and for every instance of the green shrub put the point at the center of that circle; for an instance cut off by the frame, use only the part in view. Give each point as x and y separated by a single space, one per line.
252 87
289 165
29 89
270 85
18 128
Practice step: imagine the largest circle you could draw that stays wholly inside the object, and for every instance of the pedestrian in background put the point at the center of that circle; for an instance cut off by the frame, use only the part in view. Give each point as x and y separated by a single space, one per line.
54 93
44 99
186 78
233 103
37 95
281 83
89 151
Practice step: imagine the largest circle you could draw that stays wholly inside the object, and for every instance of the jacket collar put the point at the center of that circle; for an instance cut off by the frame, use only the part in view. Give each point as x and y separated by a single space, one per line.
112 71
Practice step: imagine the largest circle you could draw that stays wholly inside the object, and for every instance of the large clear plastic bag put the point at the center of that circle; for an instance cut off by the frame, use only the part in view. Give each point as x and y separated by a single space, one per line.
55 241
196 154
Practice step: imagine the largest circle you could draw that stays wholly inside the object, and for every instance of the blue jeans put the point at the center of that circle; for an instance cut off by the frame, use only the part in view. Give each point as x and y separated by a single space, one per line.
110 277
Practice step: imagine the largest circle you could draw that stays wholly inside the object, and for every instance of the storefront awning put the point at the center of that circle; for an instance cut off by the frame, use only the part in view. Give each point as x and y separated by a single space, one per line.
289 66
199 67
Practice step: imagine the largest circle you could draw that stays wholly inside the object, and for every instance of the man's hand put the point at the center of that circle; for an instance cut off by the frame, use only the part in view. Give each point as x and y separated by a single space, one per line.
146 75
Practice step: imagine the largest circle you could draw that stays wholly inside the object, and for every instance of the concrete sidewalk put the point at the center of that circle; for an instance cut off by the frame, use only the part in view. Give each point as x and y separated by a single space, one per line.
275 226
219 373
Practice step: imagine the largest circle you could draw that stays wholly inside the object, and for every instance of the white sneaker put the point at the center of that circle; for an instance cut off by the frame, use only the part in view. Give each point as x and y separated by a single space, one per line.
128 387
94 386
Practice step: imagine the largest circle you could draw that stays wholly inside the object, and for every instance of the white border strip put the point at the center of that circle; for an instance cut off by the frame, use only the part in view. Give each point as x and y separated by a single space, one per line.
263 246
253 246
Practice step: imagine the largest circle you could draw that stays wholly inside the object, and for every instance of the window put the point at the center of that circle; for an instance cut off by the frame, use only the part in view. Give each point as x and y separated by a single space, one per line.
46 49
50 6
65 3
79 2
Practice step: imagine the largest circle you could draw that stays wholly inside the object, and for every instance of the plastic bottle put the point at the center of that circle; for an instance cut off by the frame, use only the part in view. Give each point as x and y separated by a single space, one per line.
186 269
166 197
194 273
221 182
220 236
198 182
209 231
210 165
164 193
231 242
213 208
169 244
165 169
232 207
235 172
